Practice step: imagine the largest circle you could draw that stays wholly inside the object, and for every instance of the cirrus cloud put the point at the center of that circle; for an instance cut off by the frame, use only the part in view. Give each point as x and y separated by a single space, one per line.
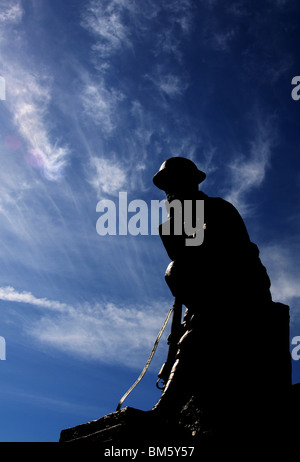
103 331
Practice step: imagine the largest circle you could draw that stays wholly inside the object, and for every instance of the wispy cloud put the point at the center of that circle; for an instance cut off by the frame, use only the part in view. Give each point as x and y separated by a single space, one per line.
221 41
105 21
248 170
124 117
11 295
285 277
103 331
107 176
100 104
281 261
167 41
169 84
108 21
28 97
11 11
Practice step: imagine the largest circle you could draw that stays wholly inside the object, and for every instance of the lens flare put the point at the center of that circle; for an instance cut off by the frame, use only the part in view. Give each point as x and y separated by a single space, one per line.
35 159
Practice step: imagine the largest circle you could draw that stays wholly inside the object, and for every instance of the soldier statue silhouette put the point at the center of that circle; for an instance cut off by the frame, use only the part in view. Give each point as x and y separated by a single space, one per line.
219 355
227 375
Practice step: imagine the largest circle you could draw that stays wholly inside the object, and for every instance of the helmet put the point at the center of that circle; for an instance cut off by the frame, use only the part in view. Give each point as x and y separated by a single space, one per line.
177 170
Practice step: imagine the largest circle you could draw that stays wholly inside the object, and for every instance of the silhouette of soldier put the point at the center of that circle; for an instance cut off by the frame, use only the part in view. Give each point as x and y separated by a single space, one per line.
227 261
220 346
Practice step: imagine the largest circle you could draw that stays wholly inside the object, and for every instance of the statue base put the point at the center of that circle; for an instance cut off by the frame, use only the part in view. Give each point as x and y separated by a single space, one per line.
192 432
254 405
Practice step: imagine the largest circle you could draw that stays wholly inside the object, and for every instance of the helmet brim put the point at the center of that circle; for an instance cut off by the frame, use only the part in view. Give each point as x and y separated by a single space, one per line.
162 178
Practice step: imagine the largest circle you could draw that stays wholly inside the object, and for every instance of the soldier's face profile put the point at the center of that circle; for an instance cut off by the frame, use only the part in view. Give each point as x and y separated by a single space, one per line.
181 190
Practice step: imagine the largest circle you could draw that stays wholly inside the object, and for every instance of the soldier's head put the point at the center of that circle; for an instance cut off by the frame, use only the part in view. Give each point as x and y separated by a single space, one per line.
178 176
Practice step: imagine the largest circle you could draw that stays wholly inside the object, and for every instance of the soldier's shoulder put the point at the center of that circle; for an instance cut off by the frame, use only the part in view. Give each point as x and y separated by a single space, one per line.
218 201
221 205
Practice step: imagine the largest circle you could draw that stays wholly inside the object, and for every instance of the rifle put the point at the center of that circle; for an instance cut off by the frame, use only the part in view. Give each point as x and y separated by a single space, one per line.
173 339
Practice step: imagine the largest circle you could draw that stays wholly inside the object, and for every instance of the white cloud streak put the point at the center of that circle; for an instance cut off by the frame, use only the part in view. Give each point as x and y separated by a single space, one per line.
107 176
11 12
168 84
283 271
248 170
110 21
103 99
104 20
104 331
9 294
28 96
100 104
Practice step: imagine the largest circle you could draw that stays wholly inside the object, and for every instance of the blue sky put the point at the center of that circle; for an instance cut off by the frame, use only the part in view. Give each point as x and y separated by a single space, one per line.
98 94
